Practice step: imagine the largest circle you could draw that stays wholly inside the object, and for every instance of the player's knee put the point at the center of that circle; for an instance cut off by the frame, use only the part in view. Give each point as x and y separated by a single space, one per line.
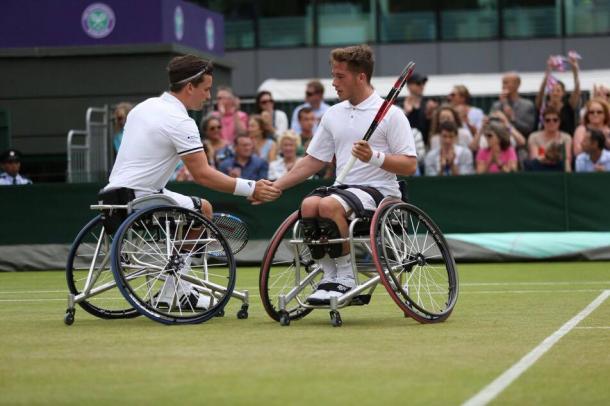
330 230
312 232
329 207
206 208
309 206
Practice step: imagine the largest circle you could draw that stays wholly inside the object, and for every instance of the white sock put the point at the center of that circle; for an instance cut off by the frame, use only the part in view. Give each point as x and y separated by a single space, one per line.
344 267
329 267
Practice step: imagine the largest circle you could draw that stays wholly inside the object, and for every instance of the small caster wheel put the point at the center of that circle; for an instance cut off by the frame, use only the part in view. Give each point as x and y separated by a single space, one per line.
242 314
69 317
221 313
335 318
284 318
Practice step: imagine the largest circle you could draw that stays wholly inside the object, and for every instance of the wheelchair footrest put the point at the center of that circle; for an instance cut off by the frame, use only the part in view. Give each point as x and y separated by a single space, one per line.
360 300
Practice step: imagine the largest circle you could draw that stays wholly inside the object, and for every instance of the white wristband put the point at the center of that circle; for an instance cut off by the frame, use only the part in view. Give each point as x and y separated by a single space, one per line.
244 187
377 159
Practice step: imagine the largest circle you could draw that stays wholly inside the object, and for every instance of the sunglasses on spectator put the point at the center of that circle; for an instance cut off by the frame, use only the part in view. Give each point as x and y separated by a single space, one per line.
489 134
214 127
266 101
551 120
309 94
596 112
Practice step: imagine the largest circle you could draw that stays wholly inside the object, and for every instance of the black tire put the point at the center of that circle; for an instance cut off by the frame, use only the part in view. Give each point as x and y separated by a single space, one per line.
277 274
414 262
152 249
106 305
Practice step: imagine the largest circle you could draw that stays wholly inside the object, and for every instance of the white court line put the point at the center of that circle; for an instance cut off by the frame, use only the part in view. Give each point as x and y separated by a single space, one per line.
489 393
592 328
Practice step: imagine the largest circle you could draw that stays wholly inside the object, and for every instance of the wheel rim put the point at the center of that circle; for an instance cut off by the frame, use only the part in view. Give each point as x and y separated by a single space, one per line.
279 271
163 255
107 304
418 269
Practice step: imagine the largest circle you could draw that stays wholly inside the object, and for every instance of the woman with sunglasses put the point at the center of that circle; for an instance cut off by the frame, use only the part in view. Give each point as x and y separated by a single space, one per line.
597 117
216 147
550 148
499 155
265 106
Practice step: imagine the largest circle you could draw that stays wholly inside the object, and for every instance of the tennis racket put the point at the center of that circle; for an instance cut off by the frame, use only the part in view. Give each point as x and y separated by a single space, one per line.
385 107
233 229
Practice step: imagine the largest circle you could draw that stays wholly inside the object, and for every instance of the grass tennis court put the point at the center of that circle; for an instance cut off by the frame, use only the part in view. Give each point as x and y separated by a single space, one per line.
376 357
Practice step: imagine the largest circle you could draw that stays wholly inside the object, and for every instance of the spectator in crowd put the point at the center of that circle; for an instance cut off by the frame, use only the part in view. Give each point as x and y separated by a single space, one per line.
234 121
597 117
420 147
288 143
517 140
471 116
601 92
499 155
11 165
415 104
264 145
119 116
594 157
216 148
550 148
244 164
314 99
520 112
449 158
307 121
446 113
566 105
265 106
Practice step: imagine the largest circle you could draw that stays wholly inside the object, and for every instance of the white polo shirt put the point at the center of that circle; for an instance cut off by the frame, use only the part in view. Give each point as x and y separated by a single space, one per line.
343 124
157 133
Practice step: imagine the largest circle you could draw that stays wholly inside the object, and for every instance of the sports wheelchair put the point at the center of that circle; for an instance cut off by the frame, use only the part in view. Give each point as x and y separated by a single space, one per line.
171 264
399 245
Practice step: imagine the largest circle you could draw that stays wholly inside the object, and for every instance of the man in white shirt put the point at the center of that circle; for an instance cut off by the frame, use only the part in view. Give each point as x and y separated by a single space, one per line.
314 99
389 151
159 133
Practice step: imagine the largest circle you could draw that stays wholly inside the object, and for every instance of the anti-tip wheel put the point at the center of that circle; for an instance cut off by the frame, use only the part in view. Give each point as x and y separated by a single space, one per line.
335 318
284 318
69 317
242 314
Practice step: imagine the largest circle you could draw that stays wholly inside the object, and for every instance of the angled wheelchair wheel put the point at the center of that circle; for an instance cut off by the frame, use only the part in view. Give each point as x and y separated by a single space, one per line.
414 262
88 272
286 268
173 265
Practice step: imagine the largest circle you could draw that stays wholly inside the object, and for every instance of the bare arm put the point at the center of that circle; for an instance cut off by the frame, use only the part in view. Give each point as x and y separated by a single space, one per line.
303 169
207 176
399 164
540 96
575 96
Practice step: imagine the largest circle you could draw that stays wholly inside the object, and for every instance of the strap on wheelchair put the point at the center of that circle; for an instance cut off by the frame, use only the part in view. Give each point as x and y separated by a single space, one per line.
112 219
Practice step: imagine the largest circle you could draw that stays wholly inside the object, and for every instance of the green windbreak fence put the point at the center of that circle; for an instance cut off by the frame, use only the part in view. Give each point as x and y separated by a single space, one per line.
541 202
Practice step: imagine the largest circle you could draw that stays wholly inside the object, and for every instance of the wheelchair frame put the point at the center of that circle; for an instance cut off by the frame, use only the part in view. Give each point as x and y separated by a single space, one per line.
143 205
361 294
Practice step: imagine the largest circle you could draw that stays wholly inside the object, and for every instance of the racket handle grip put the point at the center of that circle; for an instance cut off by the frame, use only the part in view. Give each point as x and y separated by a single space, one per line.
346 169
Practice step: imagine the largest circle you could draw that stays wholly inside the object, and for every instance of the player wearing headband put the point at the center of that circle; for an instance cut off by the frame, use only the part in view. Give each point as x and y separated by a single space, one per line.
390 151
159 133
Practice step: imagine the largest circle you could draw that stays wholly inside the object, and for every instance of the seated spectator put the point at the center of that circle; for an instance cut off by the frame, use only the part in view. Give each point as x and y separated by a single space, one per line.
307 122
415 104
517 139
264 145
420 148
182 174
598 92
472 117
10 161
314 99
499 155
448 158
119 117
558 98
244 164
216 148
265 106
597 117
520 112
550 149
288 144
594 157
446 113
234 121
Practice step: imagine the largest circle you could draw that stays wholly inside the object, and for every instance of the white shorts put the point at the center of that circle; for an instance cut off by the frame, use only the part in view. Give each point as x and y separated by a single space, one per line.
181 200
366 199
